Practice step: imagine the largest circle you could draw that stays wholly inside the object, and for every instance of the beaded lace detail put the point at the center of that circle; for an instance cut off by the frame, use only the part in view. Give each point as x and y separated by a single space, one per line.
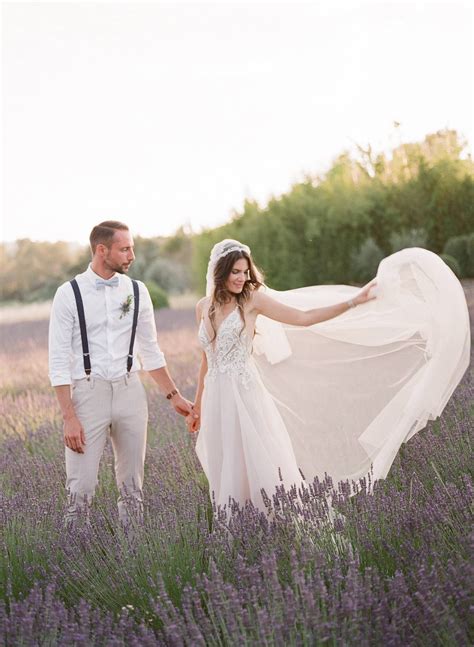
230 351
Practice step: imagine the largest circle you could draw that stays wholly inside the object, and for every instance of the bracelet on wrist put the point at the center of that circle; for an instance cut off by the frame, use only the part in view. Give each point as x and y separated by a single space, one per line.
171 394
351 303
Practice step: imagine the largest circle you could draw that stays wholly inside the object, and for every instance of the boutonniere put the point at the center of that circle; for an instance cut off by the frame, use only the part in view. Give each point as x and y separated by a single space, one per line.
126 305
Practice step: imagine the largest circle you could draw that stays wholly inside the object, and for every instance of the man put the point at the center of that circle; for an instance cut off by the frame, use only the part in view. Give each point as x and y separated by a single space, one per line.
95 371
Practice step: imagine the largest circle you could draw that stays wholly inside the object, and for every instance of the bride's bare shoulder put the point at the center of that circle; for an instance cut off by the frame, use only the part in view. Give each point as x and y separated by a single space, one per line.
254 300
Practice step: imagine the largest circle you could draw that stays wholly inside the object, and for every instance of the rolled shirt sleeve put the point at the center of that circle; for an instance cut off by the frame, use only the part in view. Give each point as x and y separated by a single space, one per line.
61 326
149 353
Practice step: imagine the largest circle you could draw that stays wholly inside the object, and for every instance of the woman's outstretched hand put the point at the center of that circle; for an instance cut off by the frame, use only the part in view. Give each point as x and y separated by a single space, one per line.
363 295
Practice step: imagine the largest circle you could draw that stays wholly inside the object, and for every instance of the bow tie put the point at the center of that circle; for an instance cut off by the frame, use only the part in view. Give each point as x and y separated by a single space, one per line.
111 283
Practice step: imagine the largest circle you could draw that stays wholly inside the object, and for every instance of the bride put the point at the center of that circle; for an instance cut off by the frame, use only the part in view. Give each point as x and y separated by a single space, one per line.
328 379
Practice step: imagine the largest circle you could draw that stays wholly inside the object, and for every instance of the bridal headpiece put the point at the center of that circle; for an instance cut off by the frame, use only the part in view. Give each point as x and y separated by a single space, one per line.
272 339
220 250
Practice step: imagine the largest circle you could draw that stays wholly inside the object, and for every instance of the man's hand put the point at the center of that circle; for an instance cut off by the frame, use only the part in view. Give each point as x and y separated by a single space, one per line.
182 406
166 385
74 436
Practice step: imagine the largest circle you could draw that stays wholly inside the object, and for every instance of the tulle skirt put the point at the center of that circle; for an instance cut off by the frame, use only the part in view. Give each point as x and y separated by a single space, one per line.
352 389
243 445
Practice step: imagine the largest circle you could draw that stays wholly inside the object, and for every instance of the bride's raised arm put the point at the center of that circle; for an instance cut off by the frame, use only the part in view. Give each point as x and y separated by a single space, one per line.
273 309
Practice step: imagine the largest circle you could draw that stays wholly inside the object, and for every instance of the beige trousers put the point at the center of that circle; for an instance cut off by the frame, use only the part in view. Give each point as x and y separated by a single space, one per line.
117 409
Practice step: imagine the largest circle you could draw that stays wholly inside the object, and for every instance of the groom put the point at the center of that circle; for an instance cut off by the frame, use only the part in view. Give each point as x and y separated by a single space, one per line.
102 328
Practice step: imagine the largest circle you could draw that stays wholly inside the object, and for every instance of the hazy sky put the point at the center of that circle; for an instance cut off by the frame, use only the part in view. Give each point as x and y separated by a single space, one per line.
162 114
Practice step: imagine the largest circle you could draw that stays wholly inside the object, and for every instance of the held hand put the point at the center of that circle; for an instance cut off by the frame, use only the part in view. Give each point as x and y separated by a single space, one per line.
74 436
181 405
193 422
363 295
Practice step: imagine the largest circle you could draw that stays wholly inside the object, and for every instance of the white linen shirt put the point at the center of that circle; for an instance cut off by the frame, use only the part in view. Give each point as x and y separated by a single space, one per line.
108 331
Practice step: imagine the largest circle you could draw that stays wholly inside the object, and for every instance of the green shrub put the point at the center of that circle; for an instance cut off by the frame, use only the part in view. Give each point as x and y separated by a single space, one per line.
159 298
462 249
366 260
167 274
452 263
456 248
42 293
470 256
408 238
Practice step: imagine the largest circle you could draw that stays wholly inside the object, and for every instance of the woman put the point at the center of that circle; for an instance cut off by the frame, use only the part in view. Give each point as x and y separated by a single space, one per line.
338 378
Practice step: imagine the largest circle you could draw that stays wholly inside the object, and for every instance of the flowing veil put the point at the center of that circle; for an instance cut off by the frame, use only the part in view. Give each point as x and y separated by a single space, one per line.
352 389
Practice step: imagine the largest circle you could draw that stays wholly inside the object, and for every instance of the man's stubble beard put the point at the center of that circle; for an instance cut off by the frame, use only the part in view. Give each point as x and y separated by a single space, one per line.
114 268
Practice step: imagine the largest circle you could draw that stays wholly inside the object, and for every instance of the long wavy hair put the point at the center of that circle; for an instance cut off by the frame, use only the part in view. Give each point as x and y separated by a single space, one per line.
221 295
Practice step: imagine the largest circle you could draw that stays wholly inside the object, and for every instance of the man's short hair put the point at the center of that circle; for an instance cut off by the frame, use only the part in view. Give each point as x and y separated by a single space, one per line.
104 232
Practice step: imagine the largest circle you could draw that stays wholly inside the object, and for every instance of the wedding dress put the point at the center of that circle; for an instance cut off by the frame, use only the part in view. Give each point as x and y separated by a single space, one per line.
338 397
243 444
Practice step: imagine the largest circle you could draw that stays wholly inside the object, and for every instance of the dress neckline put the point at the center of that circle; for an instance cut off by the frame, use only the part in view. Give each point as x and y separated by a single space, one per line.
219 327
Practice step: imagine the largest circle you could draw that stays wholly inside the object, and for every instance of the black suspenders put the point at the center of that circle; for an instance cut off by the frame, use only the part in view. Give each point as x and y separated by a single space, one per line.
82 326
136 302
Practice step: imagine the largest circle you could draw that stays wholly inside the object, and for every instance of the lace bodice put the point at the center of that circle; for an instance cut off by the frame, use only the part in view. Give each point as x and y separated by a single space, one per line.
230 351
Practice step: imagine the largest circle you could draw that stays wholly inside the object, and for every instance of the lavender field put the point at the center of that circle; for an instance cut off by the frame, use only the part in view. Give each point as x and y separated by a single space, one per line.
395 569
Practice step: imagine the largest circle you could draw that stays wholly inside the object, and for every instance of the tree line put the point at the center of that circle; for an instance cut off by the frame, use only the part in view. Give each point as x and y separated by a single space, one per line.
330 228
337 227
31 271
